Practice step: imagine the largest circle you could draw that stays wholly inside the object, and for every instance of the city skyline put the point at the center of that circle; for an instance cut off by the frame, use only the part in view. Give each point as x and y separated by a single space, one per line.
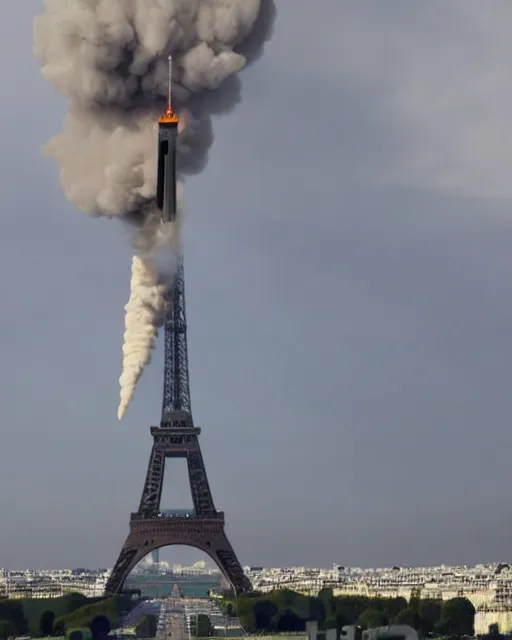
334 566
347 255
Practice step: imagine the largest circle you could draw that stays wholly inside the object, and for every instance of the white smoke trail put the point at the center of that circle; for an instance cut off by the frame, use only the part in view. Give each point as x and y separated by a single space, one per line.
109 58
144 311
146 308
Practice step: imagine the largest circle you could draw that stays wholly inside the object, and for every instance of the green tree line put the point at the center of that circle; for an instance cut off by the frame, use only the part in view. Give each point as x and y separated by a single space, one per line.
286 611
57 616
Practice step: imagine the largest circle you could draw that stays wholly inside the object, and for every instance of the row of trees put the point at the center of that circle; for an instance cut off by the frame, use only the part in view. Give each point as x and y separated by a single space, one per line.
147 626
287 611
109 609
57 616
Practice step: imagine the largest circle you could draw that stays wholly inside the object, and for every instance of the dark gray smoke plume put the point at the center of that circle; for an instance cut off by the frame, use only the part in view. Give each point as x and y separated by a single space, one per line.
109 57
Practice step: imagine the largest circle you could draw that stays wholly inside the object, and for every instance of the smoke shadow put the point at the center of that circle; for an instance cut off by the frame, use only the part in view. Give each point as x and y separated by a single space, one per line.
194 144
223 100
252 47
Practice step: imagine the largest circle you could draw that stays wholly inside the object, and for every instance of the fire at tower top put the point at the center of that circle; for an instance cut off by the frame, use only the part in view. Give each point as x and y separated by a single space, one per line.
170 116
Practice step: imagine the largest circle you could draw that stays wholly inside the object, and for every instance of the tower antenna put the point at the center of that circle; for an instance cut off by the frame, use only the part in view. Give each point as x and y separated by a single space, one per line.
170 117
169 105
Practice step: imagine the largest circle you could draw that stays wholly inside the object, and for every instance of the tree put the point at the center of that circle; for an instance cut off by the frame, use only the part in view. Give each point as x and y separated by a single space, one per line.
316 610
46 623
286 597
7 629
341 621
204 626
74 601
345 614
100 627
301 607
331 623
430 614
409 616
371 618
289 621
59 627
457 618
12 611
146 627
263 612
327 599
351 607
392 606
80 633
244 610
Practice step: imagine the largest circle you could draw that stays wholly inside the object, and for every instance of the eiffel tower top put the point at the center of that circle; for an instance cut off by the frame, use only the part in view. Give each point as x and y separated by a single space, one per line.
176 409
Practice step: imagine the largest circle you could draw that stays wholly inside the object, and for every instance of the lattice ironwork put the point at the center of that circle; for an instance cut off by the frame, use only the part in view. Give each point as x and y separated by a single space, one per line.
176 410
206 534
150 528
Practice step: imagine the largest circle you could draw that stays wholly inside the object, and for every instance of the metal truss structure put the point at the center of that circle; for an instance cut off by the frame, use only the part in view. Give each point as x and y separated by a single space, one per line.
177 437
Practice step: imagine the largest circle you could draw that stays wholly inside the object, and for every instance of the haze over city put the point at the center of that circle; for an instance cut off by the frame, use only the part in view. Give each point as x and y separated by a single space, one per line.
347 255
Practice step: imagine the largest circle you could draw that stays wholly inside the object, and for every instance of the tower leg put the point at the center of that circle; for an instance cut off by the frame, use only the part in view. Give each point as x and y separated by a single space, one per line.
199 487
152 491
228 563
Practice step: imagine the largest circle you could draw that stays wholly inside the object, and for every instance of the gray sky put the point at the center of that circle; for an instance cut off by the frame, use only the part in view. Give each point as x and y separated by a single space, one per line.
350 322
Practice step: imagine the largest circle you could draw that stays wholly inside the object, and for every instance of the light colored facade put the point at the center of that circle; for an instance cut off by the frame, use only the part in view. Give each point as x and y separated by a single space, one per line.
51 584
500 614
487 587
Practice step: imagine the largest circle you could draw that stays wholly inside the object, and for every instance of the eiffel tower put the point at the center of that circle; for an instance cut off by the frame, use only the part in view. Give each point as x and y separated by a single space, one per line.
177 437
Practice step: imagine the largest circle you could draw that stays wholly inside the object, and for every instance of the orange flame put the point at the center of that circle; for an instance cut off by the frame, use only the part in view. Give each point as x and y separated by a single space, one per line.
169 117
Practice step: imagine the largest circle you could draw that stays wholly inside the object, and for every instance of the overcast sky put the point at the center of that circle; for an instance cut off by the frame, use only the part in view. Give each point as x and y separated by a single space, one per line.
348 259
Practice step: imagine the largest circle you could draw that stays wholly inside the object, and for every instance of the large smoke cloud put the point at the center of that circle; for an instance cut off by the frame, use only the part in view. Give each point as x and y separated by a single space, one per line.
109 58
